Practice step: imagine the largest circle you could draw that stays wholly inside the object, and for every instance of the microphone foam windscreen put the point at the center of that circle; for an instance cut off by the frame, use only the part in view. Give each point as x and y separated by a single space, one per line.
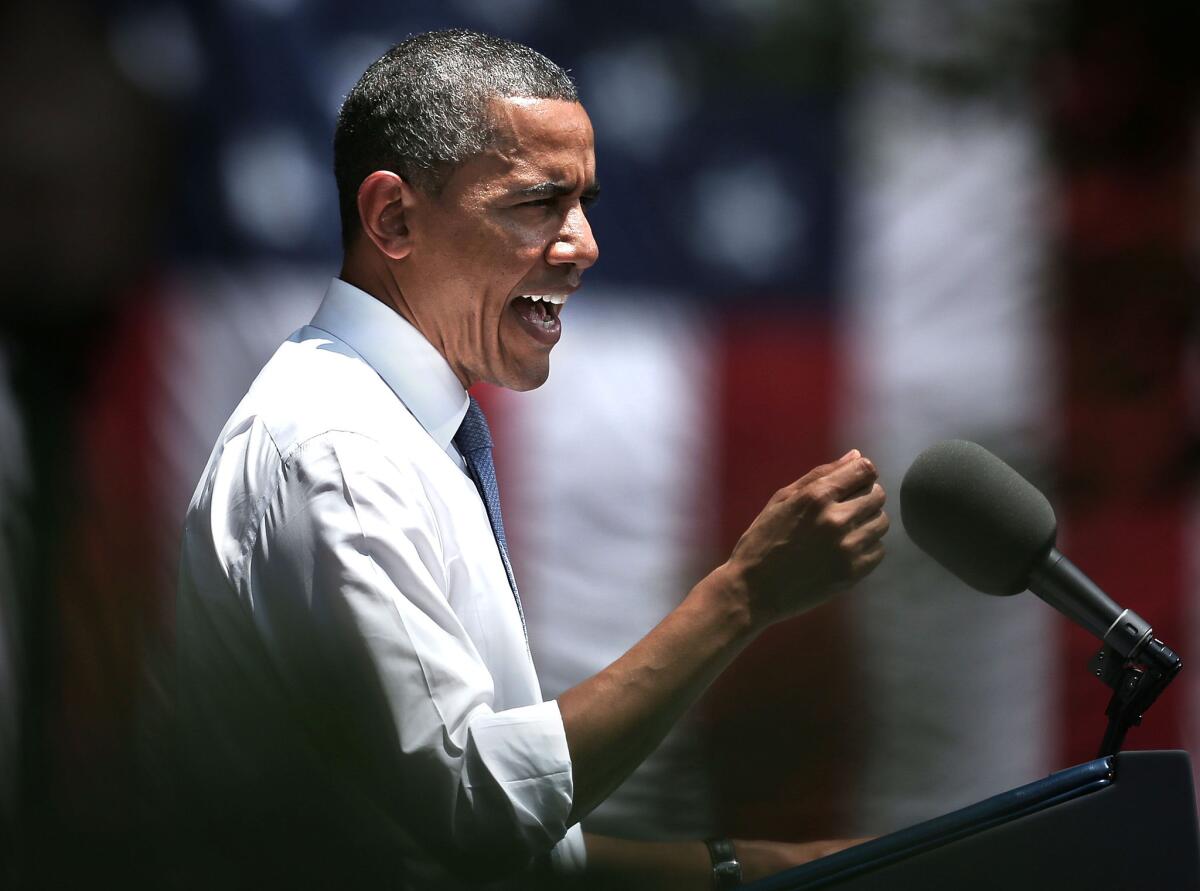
976 516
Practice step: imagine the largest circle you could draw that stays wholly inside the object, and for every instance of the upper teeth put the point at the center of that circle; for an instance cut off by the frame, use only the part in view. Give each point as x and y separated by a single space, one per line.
557 299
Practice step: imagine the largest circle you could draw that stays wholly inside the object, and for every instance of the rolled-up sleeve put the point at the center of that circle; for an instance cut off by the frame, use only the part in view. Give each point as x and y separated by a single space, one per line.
349 580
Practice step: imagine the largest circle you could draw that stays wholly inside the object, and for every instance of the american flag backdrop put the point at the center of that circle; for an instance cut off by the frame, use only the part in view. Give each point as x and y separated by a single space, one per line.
824 225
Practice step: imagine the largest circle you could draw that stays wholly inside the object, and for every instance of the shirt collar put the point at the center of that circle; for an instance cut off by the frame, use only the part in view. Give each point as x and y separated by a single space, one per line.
409 364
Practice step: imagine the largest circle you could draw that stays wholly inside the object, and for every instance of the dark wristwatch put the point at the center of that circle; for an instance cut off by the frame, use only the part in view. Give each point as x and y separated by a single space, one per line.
727 872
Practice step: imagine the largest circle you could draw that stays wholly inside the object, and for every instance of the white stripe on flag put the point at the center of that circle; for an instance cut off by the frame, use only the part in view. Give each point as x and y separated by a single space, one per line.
606 480
945 338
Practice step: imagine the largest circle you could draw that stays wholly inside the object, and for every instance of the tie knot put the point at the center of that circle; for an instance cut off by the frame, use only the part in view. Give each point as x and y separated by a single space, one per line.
473 433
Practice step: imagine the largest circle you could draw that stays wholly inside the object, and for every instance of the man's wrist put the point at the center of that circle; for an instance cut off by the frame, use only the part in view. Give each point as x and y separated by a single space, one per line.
726 590
726 870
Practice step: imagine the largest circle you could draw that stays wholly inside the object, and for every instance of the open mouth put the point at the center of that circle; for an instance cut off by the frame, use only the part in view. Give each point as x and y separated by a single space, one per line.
542 309
539 313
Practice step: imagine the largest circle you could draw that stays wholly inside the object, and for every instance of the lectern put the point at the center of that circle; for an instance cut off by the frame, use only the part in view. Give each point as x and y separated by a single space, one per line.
1126 822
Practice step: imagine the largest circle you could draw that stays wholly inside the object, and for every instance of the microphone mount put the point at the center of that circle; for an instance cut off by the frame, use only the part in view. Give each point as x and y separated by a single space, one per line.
1132 662
1136 681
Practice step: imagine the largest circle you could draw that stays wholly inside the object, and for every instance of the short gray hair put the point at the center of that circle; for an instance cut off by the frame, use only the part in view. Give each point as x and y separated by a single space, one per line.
421 109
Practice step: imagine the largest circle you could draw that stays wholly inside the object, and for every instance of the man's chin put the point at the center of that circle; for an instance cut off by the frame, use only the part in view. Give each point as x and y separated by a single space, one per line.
532 381
525 376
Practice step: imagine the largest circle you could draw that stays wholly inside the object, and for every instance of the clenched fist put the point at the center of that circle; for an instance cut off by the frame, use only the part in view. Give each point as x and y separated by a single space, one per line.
814 537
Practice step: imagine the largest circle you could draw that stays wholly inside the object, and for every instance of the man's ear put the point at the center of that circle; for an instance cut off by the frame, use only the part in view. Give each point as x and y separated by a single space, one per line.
384 201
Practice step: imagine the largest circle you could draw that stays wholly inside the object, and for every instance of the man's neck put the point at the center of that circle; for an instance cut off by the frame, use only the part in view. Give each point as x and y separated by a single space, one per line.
372 277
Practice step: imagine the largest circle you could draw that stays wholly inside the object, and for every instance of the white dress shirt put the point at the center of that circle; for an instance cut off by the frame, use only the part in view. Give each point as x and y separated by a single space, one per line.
341 591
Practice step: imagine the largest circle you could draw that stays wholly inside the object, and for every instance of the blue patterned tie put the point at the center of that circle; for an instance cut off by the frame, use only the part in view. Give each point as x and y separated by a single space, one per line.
474 443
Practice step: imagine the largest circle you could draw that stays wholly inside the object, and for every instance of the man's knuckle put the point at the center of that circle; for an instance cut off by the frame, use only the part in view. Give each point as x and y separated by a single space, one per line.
806 498
828 519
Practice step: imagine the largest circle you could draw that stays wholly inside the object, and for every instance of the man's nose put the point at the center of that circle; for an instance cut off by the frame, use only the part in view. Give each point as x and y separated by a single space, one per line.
574 244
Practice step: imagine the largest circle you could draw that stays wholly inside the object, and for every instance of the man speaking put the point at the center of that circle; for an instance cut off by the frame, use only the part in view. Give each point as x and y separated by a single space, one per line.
358 705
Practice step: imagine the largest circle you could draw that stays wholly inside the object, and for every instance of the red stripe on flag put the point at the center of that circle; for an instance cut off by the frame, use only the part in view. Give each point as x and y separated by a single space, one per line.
1129 309
111 606
779 718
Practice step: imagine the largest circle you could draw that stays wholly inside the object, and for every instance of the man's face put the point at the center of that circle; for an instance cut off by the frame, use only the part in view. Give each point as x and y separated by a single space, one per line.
509 224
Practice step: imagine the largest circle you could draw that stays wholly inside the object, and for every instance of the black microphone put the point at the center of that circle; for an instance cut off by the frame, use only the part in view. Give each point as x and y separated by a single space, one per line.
993 529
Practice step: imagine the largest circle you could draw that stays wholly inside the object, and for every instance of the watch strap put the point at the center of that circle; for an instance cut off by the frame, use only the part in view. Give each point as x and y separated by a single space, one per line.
727 871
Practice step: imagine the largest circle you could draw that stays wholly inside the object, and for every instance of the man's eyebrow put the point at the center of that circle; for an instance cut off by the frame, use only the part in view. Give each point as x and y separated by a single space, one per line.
555 189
